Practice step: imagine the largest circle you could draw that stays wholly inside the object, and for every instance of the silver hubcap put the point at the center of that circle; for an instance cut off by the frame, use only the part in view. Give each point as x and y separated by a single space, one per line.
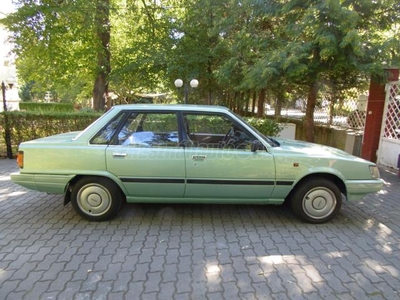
94 199
319 203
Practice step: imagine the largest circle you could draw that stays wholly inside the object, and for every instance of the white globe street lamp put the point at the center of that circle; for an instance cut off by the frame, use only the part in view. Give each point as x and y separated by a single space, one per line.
194 83
178 83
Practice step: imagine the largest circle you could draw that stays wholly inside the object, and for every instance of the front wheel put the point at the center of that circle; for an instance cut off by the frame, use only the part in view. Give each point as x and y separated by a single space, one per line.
316 200
96 198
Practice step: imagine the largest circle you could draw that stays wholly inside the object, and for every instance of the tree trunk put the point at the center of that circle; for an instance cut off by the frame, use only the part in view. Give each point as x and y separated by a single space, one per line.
311 101
334 97
253 103
100 88
280 99
234 101
231 97
247 105
7 129
260 103
331 110
240 102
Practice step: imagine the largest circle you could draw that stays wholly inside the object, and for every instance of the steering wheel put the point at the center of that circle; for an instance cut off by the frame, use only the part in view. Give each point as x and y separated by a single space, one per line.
229 139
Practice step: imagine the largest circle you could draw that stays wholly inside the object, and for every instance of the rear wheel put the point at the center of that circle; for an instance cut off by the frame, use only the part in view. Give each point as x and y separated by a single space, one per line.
96 198
316 200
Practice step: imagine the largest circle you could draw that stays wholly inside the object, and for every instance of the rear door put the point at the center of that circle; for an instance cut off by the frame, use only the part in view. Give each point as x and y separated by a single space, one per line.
145 154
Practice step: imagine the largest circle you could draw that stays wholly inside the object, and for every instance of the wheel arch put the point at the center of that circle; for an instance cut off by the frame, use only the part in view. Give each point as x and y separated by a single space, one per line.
75 179
331 177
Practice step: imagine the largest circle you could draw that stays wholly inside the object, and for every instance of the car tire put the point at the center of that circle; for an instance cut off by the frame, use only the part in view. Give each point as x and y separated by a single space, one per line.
316 200
96 198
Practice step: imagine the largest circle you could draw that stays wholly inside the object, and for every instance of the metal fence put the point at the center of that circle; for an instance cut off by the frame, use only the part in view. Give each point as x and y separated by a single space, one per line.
391 127
349 113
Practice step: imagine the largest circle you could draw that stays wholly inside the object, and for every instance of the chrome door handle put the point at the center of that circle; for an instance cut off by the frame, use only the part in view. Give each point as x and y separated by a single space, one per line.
199 157
119 154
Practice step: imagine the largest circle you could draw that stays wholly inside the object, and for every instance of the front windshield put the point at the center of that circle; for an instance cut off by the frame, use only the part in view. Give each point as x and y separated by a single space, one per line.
271 141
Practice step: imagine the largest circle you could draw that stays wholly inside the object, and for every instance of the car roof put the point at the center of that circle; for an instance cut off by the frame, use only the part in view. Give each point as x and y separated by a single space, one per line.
172 107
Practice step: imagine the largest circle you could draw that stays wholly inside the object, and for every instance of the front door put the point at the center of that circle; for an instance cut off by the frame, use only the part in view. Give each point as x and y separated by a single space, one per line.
220 163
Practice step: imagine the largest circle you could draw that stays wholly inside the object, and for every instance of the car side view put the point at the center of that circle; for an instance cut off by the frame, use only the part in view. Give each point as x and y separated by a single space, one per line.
190 154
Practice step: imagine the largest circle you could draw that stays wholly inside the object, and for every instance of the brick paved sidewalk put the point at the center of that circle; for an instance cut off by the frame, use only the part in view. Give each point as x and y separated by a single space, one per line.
197 251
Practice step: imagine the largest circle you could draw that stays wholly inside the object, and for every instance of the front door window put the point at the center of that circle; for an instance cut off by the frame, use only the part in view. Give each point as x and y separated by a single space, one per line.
216 131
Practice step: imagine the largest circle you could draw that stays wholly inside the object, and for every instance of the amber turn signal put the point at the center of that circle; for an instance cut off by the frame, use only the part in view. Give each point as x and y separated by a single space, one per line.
20 159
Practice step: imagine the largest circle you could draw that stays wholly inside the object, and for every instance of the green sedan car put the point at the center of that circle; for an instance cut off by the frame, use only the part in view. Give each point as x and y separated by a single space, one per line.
190 154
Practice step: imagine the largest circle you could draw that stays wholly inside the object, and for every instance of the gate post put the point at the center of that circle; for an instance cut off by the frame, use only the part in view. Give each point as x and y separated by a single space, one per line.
398 166
373 122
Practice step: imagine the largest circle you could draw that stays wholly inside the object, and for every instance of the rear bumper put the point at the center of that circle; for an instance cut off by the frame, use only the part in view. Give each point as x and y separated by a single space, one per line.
357 189
49 183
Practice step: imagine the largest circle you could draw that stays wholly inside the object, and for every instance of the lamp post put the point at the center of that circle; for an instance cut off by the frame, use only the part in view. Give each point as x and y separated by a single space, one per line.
194 83
7 131
3 92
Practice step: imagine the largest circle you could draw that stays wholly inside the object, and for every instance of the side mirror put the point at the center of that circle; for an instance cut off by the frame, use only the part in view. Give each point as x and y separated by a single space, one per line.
256 145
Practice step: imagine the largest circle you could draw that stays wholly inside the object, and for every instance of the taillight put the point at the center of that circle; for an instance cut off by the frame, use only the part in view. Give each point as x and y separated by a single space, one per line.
20 159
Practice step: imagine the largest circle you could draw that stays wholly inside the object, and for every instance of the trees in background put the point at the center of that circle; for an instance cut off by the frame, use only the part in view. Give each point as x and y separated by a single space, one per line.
62 46
334 43
242 52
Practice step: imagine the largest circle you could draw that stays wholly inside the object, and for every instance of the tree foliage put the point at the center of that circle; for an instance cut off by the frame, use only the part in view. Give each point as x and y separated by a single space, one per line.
52 49
333 43
241 51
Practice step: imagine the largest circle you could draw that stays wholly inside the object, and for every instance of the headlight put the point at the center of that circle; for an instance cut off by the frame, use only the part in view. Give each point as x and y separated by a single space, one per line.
374 172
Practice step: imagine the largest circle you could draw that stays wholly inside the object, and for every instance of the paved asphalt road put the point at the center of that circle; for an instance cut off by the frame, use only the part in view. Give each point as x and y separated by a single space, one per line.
197 251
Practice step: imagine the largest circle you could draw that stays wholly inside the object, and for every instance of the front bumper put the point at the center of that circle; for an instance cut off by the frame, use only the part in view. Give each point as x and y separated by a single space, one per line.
357 189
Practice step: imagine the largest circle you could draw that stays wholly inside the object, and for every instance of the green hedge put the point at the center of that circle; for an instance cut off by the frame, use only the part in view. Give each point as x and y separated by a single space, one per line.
31 125
46 107
265 126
